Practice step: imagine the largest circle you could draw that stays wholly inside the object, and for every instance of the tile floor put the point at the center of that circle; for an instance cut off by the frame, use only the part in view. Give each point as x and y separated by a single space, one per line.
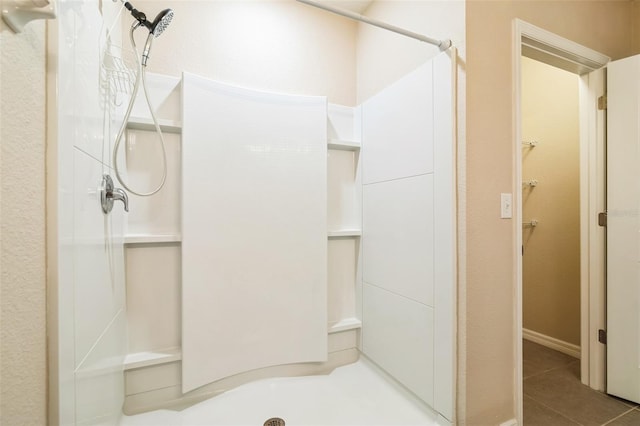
554 395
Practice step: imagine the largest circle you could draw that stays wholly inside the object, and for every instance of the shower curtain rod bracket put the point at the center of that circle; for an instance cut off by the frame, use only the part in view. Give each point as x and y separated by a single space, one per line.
442 44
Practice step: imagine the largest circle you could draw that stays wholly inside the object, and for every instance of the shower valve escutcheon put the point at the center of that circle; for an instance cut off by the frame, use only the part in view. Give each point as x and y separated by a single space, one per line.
108 194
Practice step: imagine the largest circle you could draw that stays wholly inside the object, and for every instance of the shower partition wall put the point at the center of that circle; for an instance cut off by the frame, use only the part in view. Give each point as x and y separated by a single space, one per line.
88 344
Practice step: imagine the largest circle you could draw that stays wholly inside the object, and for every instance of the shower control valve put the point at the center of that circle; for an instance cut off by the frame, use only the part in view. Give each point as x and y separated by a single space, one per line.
108 193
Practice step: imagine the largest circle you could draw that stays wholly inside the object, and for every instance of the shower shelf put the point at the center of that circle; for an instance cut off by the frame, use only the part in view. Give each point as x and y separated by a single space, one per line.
146 359
152 239
345 324
167 126
343 145
345 233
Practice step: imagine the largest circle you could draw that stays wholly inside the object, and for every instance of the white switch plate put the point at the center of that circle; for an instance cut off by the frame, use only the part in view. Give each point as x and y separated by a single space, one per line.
506 206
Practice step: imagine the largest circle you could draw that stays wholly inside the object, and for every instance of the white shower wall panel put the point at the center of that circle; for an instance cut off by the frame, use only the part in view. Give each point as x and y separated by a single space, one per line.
98 258
398 336
398 251
408 233
254 245
90 99
99 379
445 213
88 292
399 128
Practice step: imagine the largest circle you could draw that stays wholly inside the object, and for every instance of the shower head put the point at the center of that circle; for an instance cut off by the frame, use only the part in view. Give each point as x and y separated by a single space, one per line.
155 28
158 25
161 22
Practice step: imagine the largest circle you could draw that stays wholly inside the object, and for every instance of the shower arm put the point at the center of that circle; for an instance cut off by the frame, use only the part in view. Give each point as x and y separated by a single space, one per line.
442 44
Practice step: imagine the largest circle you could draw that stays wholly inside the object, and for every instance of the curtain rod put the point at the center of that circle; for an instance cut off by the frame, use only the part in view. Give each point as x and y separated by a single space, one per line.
442 44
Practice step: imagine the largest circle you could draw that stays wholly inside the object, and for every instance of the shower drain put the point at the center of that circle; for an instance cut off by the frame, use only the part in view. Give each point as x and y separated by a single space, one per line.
274 421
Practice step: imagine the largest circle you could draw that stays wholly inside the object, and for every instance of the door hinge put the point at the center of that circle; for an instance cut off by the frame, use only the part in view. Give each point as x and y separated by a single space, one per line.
602 219
602 102
602 337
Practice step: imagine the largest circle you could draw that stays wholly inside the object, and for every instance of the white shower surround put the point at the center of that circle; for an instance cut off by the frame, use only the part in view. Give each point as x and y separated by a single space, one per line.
168 238
153 373
158 383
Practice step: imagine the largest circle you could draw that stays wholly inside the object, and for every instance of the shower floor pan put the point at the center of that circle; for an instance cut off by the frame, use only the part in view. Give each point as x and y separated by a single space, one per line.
356 394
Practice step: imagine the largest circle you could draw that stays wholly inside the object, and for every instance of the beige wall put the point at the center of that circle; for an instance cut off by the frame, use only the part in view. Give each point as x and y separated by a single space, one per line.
22 232
605 26
311 52
551 262
636 26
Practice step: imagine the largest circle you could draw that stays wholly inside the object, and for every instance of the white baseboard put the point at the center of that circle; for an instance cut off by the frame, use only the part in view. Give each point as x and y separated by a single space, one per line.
512 422
552 343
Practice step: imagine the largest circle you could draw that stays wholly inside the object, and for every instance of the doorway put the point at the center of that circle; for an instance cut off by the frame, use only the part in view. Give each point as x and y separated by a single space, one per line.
550 207
552 388
548 48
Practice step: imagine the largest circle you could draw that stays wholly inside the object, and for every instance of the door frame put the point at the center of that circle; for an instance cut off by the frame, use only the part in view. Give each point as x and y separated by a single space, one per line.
547 47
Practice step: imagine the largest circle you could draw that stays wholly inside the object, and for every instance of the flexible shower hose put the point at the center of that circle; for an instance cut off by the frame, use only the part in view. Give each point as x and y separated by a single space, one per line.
141 75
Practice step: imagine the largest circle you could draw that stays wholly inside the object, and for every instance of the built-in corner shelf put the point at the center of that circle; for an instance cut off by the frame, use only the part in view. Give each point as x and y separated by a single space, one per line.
167 126
345 324
152 239
345 233
155 357
343 145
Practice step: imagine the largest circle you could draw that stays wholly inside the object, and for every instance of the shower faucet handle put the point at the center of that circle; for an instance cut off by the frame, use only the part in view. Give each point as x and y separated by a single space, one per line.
119 194
108 194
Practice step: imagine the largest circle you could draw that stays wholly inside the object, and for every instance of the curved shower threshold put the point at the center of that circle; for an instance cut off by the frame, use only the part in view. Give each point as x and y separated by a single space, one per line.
356 394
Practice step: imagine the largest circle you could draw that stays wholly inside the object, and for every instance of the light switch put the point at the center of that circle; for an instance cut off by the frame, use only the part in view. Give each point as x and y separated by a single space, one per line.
506 206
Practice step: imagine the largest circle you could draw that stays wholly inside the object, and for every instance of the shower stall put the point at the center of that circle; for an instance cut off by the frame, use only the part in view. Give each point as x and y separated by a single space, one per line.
299 228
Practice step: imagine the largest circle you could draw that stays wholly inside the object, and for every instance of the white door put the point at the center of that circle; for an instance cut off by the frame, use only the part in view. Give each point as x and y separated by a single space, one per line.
623 229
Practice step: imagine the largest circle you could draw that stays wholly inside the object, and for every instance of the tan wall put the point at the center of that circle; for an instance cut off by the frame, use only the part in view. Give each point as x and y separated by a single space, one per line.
605 26
312 52
636 26
23 376
551 262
